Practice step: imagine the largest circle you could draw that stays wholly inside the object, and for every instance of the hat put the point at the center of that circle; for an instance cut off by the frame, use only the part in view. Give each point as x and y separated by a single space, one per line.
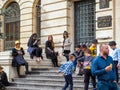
95 41
1 67
78 46
112 43
16 42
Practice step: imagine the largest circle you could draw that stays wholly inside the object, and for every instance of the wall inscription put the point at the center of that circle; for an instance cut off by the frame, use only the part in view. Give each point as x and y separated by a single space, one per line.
104 4
105 21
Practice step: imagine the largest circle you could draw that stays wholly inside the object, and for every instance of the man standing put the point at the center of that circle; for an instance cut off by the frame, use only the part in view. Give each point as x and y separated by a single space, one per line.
103 67
116 56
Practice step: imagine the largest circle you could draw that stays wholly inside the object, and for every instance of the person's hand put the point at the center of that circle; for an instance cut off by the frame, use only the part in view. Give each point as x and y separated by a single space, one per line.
118 65
57 71
19 52
52 51
108 68
63 74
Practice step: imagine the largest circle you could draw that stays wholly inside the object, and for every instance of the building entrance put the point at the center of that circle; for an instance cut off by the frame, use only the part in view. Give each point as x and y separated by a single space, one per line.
84 21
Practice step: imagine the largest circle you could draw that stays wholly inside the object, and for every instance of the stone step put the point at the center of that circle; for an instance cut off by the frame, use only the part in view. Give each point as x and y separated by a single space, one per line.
43 86
21 88
46 81
47 76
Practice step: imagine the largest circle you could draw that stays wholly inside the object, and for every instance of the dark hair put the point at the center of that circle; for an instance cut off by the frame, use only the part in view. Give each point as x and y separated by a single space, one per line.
65 32
78 46
84 46
112 43
31 38
95 41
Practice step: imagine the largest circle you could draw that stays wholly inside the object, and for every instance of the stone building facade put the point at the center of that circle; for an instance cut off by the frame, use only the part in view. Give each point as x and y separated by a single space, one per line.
83 19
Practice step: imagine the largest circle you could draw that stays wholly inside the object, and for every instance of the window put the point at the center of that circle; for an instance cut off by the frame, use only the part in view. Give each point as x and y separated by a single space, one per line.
12 24
84 21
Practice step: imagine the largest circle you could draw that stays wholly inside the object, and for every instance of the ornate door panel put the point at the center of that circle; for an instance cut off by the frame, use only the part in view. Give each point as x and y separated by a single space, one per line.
12 25
84 21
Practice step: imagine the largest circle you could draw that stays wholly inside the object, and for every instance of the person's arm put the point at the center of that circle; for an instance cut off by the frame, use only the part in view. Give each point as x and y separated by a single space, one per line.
48 46
118 54
94 69
31 43
61 69
114 70
69 42
14 52
22 50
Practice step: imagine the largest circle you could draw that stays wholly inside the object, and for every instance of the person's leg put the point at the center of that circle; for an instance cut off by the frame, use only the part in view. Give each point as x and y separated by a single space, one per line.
66 83
26 67
56 60
93 80
102 85
115 62
38 52
66 54
18 70
70 81
86 79
53 61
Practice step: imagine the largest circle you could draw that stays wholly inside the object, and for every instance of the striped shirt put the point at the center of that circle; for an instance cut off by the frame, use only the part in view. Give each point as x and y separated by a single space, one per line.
66 68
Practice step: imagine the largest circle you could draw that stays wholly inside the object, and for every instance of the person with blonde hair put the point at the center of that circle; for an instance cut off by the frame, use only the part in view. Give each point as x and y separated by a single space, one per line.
66 70
18 59
50 52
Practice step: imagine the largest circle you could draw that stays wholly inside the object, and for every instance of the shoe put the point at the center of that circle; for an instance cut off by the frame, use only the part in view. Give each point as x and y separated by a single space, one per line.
27 72
21 76
38 59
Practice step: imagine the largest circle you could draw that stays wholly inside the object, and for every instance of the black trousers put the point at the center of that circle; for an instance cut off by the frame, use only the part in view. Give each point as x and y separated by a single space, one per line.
116 63
37 52
66 54
87 75
53 57
18 68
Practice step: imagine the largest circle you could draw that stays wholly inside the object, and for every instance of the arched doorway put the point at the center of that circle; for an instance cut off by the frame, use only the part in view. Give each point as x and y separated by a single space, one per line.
12 24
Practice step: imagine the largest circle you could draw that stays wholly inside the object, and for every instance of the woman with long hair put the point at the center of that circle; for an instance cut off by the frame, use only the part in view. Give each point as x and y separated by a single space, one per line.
50 52
66 45
33 47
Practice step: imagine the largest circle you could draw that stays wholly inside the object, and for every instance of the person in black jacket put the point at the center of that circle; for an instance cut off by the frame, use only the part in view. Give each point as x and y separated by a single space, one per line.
18 59
50 52
33 47
78 53
3 79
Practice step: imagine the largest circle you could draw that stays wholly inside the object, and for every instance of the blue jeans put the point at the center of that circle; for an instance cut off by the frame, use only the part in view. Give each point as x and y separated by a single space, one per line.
68 81
107 85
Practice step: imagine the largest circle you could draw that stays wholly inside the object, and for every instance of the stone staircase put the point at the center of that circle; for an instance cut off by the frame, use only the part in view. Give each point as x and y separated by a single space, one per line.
44 79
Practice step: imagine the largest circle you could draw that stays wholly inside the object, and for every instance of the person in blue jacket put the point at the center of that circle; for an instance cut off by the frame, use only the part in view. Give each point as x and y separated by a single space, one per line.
103 67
